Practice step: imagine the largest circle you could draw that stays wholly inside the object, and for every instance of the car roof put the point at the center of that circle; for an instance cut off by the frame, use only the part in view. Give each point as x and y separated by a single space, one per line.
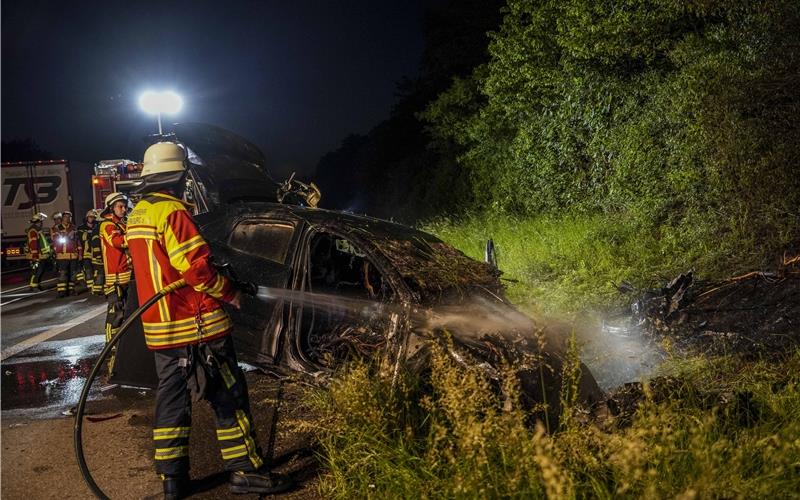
434 270
337 219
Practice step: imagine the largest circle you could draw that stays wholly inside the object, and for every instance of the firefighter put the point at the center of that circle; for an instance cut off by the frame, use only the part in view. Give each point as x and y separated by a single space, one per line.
65 242
96 245
116 263
190 333
85 269
37 250
56 221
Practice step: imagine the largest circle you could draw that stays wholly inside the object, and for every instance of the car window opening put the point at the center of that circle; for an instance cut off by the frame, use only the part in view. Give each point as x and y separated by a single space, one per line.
269 240
336 266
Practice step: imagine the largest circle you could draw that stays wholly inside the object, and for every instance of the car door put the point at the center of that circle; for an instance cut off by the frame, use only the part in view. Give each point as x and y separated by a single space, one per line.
259 250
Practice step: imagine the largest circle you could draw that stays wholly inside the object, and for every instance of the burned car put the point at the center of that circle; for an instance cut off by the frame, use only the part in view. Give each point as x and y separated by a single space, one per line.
334 285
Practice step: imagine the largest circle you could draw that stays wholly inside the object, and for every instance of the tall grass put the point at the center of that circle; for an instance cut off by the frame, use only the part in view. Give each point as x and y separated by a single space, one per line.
451 439
565 264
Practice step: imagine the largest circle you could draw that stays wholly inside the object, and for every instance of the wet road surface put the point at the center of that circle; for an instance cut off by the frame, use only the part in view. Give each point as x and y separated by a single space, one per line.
49 346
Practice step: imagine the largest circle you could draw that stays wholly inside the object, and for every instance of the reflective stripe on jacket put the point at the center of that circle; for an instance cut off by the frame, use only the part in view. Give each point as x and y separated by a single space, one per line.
96 244
65 241
36 247
115 258
85 240
166 246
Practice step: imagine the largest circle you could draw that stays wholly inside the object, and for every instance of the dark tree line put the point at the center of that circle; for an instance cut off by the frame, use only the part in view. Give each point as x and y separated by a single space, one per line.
393 171
681 116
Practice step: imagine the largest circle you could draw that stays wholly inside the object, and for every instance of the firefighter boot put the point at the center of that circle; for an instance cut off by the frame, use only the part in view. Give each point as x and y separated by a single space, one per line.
261 482
175 487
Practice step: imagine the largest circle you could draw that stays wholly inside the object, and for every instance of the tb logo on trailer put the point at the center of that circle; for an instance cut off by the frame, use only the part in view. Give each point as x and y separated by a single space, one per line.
41 190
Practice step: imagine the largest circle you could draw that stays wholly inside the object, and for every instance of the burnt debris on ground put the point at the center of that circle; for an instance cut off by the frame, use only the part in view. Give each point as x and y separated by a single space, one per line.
755 315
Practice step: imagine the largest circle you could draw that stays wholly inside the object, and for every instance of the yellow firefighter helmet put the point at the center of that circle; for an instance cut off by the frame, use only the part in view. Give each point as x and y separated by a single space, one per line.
162 158
38 217
163 167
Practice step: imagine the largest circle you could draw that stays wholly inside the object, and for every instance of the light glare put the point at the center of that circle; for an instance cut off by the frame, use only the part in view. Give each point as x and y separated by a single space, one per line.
166 102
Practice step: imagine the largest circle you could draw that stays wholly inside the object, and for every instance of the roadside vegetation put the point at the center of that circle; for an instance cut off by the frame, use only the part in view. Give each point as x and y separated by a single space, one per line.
562 264
722 429
599 143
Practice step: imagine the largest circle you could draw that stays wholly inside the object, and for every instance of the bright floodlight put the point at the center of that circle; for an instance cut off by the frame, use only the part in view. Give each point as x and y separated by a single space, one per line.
167 102
155 103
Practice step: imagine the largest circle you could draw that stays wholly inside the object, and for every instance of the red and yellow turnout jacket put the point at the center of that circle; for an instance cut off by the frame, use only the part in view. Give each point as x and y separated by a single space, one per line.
116 263
65 241
166 246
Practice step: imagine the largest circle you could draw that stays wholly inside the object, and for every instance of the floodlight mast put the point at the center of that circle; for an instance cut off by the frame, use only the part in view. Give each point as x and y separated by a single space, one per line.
156 103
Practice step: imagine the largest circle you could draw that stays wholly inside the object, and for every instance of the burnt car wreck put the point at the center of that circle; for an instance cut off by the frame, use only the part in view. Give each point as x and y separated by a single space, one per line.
336 285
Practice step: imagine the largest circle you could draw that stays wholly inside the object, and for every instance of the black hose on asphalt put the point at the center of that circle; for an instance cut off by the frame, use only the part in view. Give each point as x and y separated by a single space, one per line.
78 436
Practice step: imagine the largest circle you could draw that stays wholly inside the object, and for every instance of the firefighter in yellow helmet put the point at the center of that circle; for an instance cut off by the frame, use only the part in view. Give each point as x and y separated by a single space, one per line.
85 268
116 263
37 250
190 333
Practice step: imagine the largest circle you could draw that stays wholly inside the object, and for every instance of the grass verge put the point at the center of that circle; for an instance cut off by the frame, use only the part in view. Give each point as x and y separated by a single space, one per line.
453 440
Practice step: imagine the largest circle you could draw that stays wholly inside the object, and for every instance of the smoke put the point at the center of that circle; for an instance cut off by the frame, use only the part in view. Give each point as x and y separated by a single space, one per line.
617 352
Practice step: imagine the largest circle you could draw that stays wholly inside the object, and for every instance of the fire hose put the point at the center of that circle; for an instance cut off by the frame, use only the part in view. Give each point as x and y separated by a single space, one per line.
78 435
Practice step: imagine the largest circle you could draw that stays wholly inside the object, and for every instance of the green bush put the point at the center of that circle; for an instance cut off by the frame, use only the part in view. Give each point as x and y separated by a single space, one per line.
680 116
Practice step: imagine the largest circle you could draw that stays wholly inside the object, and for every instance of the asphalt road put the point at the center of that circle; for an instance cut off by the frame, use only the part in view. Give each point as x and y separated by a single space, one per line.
49 344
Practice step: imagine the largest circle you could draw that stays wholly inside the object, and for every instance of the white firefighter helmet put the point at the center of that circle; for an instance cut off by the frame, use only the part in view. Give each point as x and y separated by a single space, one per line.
163 166
115 197
56 215
65 213
112 199
91 213
38 217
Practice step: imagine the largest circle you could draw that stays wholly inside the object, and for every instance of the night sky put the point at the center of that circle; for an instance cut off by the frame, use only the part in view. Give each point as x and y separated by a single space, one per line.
293 77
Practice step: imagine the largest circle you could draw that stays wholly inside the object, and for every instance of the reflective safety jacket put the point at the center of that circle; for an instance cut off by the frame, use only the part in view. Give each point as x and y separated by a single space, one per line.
96 244
166 246
37 246
65 241
116 263
85 240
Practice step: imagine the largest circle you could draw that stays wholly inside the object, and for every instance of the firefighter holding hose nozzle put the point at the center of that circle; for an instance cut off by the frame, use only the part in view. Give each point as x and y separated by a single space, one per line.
190 333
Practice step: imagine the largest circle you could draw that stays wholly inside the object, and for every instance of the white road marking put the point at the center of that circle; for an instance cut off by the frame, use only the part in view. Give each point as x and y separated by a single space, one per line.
26 287
21 296
38 339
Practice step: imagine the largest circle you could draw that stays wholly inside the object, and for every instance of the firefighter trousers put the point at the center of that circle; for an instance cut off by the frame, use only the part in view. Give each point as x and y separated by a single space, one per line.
85 273
115 315
67 269
99 278
225 390
38 268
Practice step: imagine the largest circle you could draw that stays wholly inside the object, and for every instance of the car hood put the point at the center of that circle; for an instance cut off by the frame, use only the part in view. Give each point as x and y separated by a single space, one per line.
229 167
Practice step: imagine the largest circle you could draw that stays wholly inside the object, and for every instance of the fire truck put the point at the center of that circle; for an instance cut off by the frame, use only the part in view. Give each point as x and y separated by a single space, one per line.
113 176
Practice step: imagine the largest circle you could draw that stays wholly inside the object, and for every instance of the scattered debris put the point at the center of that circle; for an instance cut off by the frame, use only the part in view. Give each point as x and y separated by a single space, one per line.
755 315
